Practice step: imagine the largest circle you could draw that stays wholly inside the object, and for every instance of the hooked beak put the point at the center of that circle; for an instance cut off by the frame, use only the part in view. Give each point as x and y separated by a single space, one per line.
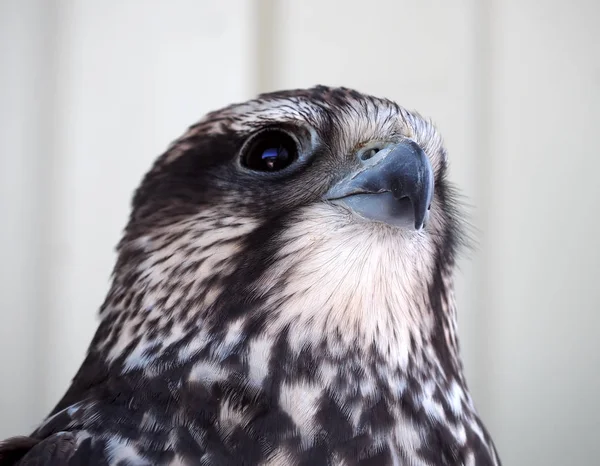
395 186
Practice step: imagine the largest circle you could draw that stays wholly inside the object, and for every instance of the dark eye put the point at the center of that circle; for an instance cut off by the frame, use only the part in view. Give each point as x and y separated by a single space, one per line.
270 151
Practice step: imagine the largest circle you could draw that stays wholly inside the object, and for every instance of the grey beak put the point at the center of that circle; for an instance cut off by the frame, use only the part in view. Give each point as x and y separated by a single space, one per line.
395 186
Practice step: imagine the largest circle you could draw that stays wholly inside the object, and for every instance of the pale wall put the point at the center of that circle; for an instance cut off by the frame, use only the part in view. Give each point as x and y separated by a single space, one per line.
91 92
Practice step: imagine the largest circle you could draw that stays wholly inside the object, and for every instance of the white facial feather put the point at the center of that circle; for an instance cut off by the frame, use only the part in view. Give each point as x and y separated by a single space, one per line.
364 280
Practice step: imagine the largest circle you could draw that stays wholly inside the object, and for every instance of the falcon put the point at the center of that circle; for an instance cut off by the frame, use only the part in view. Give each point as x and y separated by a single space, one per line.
283 295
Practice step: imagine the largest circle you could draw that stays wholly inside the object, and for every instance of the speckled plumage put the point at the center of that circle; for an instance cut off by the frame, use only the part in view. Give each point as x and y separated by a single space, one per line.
250 322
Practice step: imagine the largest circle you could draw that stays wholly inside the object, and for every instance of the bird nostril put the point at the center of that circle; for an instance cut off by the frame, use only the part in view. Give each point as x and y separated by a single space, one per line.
369 153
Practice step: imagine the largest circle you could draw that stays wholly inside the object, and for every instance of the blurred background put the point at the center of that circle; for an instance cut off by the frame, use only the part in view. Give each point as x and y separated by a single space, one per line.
92 91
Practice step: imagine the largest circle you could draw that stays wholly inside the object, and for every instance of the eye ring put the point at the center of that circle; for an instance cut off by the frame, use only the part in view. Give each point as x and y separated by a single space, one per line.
270 150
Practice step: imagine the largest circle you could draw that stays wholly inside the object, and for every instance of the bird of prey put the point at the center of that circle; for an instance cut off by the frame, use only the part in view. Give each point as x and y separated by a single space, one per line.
283 295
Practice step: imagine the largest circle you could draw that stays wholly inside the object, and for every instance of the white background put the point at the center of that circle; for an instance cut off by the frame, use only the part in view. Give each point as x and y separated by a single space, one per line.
92 91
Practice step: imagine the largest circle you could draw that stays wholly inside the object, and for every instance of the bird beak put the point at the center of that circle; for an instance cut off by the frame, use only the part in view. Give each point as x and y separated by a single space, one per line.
395 186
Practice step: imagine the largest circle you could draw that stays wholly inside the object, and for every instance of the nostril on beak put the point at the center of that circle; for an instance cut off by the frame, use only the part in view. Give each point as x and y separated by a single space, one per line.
367 154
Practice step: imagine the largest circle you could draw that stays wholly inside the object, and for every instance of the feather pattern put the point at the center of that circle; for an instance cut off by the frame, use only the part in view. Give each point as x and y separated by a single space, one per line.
250 322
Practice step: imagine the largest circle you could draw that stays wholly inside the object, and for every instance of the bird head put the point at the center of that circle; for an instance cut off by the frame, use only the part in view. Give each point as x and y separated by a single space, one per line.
323 215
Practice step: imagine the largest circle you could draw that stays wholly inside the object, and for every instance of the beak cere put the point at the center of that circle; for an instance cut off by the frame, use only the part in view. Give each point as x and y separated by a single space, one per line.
395 186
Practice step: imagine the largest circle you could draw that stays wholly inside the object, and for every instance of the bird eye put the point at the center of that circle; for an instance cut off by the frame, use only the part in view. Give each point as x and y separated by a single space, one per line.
270 151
